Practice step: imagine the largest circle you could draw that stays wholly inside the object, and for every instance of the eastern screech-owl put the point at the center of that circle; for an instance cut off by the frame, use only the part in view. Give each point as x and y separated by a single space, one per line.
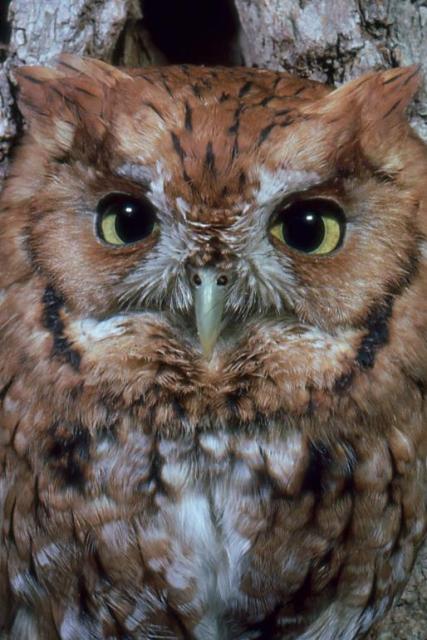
213 354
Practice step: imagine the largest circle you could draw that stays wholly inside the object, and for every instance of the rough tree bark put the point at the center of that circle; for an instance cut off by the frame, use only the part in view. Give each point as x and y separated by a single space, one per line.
328 40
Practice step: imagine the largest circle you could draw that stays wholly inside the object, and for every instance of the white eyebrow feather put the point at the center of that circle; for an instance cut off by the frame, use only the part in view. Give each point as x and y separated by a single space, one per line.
276 184
135 171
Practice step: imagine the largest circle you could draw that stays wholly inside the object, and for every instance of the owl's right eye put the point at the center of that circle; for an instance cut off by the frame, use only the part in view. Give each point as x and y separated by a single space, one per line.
124 219
313 226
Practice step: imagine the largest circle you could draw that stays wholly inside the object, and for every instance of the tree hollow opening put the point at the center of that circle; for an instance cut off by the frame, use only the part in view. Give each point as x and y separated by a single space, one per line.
194 31
4 30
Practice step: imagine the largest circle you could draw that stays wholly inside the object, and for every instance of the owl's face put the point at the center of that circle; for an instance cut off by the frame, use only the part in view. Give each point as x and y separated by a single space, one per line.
222 202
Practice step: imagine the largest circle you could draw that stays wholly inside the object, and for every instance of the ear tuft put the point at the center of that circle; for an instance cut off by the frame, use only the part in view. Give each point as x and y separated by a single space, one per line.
55 102
374 97
50 120
389 94
33 83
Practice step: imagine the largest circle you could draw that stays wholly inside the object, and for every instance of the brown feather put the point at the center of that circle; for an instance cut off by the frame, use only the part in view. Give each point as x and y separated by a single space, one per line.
277 489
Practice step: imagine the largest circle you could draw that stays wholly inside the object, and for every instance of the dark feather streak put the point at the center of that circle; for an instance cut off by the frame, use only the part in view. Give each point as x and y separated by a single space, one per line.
415 72
177 146
394 78
235 149
234 128
264 102
188 117
299 91
265 132
210 158
85 92
245 89
53 303
196 89
68 453
242 180
396 104
283 112
69 66
167 87
153 107
31 78
377 323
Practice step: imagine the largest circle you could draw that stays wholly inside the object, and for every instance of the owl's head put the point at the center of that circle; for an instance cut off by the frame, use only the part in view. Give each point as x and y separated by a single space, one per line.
226 202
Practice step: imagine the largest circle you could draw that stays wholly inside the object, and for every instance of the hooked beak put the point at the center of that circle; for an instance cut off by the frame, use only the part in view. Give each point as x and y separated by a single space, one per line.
209 302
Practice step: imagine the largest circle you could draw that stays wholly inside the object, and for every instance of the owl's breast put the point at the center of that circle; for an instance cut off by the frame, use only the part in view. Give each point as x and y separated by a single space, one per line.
216 534
260 535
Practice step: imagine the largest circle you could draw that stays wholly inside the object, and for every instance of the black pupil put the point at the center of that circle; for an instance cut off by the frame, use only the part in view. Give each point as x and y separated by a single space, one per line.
135 218
304 230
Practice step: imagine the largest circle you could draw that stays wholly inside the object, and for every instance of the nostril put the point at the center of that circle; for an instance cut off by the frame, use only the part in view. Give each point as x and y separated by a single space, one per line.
197 280
222 281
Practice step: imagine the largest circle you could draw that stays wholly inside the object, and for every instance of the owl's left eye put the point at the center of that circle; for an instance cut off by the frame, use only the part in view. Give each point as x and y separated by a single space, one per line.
314 226
124 219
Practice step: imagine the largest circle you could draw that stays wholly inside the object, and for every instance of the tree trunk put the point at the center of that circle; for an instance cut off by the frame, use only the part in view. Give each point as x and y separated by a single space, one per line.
328 40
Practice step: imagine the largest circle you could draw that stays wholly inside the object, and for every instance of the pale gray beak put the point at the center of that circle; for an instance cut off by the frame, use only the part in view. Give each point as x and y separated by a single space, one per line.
210 288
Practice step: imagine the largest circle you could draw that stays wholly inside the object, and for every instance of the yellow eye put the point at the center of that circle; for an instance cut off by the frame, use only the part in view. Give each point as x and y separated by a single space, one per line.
123 219
315 227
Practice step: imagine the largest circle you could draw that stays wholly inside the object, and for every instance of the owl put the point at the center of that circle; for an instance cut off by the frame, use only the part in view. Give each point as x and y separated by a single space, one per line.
213 354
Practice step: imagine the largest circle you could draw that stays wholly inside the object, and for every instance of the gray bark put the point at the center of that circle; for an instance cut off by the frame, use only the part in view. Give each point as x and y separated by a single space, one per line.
7 122
328 40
